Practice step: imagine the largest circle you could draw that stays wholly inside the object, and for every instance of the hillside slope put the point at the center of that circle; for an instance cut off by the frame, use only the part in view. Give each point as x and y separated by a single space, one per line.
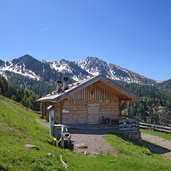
165 86
19 126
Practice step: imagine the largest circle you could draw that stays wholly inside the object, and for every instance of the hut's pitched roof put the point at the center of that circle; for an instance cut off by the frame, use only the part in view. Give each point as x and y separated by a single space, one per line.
120 92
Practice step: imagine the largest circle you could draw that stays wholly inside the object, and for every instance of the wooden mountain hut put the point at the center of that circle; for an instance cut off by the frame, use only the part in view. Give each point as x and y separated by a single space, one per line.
97 100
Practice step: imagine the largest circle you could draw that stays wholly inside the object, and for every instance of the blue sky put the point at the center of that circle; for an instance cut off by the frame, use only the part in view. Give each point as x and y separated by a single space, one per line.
135 34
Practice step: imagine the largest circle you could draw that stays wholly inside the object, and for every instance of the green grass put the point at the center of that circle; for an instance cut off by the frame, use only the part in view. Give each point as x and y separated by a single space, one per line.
19 126
135 155
163 135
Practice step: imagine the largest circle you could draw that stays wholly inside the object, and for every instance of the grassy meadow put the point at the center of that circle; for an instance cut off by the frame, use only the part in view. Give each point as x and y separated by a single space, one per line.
19 126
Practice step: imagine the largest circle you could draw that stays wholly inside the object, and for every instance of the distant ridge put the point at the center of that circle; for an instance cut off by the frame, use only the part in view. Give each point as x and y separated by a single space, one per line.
32 68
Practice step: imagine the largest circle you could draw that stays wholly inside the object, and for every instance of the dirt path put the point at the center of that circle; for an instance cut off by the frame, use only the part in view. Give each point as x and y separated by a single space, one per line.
92 138
158 144
95 143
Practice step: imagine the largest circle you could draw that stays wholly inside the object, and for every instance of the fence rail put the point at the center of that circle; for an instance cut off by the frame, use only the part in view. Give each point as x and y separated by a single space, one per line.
154 127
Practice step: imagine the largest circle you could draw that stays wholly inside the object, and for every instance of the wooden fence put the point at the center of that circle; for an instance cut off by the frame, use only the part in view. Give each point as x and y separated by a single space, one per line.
127 124
154 127
130 127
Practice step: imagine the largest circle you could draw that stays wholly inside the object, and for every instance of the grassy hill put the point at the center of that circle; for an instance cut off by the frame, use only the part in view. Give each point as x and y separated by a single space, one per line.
19 126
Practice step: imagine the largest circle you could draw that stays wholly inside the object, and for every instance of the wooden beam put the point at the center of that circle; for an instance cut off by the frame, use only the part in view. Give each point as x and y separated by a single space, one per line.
123 104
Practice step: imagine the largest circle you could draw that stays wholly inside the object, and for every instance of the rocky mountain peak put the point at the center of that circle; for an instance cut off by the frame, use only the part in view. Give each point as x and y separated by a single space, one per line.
77 70
24 59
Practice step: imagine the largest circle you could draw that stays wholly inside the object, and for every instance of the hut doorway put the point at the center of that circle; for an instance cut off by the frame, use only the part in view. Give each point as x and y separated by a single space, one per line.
93 114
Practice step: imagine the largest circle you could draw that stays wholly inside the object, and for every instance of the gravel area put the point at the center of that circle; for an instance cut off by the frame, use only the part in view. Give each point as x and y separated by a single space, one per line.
94 141
91 136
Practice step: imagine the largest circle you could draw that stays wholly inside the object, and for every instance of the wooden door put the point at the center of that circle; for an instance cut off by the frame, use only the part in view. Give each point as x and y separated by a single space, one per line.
93 114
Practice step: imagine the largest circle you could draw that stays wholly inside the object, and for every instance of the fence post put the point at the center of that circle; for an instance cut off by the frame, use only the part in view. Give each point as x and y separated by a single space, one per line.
51 119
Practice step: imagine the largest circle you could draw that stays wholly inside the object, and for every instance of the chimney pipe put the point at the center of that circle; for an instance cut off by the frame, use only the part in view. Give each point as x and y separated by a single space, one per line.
65 83
58 86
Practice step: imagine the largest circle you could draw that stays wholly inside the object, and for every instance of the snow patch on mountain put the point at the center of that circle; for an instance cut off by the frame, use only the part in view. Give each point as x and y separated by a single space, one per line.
75 70
18 69
60 67
96 66
71 68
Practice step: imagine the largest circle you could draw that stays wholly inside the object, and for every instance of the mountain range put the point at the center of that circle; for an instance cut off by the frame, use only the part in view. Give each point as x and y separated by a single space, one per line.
41 77
31 68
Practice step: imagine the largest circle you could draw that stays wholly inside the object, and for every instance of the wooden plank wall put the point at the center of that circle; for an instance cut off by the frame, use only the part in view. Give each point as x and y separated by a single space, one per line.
77 104
45 112
93 92
57 112
77 112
